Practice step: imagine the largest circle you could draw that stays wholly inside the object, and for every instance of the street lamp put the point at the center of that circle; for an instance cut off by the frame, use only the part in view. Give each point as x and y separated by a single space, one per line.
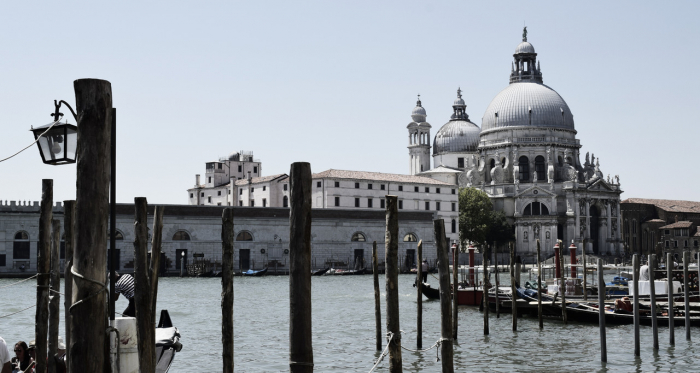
57 144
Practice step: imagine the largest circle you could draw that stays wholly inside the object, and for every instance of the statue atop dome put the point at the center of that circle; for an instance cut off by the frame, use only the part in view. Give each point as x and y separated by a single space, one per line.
525 33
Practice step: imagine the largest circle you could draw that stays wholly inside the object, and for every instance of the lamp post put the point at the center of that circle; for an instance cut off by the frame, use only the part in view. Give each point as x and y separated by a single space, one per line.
57 144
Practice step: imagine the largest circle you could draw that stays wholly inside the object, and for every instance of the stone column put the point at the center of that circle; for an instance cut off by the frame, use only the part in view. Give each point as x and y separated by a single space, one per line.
577 221
619 227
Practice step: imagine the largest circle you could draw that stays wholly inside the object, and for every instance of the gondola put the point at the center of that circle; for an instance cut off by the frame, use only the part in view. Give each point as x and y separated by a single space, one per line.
428 291
344 272
251 272
167 342
320 272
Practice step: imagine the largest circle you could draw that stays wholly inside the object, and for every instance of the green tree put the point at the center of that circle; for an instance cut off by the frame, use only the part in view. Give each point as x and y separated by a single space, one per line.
500 231
475 216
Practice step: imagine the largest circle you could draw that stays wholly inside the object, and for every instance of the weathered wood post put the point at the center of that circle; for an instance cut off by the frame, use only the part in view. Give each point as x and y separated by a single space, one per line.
156 249
562 281
391 249
377 295
455 286
93 99
601 314
514 294
484 288
142 289
55 296
539 286
652 299
445 311
686 293
671 311
227 289
69 229
495 277
419 300
301 354
635 294
43 267
585 270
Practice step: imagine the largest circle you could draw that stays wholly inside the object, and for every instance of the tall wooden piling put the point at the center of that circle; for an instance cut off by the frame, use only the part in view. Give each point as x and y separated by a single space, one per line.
142 289
601 314
562 281
496 279
227 289
585 270
652 299
445 311
671 311
377 295
69 229
154 266
539 286
514 296
55 296
419 300
635 294
391 274
43 267
686 294
455 287
301 355
484 288
93 99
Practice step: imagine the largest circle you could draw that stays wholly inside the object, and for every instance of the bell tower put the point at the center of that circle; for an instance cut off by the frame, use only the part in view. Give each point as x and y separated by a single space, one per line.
418 140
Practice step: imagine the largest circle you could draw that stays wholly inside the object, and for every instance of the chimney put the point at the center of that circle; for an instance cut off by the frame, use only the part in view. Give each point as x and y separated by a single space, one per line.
197 182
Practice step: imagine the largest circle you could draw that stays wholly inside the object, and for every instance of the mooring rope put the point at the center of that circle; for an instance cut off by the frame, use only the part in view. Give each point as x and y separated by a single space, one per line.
78 275
14 313
384 353
28 146
21 281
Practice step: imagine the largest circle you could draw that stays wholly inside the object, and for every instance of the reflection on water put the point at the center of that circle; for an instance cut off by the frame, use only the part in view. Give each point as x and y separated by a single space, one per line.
344 331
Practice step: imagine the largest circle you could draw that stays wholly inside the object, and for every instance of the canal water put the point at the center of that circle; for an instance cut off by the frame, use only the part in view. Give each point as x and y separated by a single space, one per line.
344 331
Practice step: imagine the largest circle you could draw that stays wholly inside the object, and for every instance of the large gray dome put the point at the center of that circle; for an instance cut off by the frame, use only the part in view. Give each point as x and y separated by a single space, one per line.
527 104
456 136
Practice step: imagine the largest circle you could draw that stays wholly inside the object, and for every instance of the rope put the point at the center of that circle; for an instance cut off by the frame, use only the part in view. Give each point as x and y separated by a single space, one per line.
35 141
14 313
118 343
78 275
384 353
19 282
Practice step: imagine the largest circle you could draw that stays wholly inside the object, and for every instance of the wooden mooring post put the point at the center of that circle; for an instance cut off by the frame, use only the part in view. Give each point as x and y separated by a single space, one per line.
69 229
635 295
539 286
455 287
391 249
585 271
419 300
495 277
671 311
484 288
652 299
227 289
301 354
43 267
445 303
93 99
377 296
601 314
562 281
513 296
686 294
55 296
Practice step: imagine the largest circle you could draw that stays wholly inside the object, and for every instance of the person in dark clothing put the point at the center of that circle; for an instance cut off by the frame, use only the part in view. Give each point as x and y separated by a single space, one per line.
424 270
125 285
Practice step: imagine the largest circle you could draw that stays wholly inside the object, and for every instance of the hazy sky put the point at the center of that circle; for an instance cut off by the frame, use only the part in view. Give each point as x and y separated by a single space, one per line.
333 83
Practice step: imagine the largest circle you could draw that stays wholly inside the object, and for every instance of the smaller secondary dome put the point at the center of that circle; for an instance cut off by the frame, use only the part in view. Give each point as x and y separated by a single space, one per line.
524 47
459 135
418 114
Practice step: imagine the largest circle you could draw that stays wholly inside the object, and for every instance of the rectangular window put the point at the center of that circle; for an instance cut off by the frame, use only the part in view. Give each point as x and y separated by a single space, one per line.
454 206
427 205
369 186
264 188
284 187
318 184
337 201
667 231
191 195
252 202
20 250
337 184
400 188
357 202
3 261
219 192
210 180
240 192
255 169
357 185
209 199
264 202
369 202
427 190
454 191
240 203
686 243
218 204
437 190
400 204
382 187
415 189
460 162
229 191
252 189
675 243
382 203
240 168
437 206
667 244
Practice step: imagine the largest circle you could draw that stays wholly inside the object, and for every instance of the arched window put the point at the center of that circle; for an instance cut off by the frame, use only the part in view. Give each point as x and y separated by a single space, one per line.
20 248
410 237
244 236
285 201
536 208
358 237
524 166
539 167
454 226
181 236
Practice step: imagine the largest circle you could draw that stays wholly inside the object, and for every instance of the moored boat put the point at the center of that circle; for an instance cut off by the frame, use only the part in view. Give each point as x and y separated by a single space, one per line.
251 272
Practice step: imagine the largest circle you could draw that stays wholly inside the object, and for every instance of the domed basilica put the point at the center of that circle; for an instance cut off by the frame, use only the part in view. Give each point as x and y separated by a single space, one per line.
526 157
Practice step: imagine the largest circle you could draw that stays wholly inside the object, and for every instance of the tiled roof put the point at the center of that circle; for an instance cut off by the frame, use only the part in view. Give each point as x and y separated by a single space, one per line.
667 204
377 176
442 170
678 224
261 179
